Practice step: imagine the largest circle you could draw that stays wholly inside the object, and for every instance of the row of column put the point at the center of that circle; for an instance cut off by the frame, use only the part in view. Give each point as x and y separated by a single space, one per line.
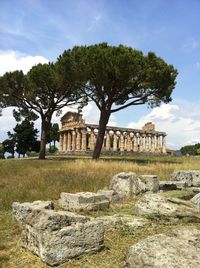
81 139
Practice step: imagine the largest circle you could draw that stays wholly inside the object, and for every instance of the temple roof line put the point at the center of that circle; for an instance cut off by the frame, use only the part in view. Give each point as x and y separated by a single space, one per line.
126 129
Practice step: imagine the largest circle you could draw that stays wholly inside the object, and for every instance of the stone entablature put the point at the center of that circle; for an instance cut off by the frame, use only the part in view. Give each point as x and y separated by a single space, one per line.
76 135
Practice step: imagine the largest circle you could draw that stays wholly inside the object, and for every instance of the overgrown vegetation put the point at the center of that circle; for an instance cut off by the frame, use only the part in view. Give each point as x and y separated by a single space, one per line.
28 180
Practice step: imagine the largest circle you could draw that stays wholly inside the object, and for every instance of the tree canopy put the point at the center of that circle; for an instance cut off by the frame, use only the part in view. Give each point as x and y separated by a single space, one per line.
45 89
118 77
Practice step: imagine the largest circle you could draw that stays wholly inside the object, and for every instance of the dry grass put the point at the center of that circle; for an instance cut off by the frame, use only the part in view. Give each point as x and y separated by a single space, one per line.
29 180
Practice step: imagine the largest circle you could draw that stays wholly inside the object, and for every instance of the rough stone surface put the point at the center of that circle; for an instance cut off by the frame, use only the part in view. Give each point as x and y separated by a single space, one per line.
84 201
56 236
111 195
196 200
110 222
192 177
151 182
22 210
130 222
161 207
127 184
172 185
178 249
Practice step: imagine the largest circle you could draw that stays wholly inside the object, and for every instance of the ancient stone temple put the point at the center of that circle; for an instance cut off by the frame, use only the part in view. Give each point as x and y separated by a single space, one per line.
76 135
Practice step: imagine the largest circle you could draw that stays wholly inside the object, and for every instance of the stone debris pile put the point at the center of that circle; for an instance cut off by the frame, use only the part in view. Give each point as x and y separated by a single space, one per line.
59 235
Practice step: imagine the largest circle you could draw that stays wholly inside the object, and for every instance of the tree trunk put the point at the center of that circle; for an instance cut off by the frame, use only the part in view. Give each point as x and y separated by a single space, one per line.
44 132
104 117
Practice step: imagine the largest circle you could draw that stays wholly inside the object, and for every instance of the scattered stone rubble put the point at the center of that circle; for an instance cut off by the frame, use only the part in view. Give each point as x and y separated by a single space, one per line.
57 236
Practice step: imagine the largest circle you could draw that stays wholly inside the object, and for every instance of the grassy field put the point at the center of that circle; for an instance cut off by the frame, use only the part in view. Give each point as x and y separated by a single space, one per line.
31 179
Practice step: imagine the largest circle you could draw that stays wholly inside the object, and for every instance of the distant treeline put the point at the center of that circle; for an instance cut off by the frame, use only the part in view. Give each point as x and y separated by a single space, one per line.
191 149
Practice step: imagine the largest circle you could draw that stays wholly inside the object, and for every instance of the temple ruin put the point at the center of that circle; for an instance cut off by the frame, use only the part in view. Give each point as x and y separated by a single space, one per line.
76 135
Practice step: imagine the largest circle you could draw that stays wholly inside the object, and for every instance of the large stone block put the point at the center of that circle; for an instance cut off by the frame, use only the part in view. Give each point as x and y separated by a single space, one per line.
192 177
196 200
22 210
172 185
111 195
151 182
57 236
83 201
165 208
177 249
127 184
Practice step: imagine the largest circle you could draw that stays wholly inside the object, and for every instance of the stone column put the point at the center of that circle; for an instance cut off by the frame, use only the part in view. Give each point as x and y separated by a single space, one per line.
144 142
141 142
135 138
64 141
78 140
125 142
149 138
92 139
83 140
69 141
114 141
164 144
73 140
121 142
128 143
158 143
147 143
107 140
153 143
61 142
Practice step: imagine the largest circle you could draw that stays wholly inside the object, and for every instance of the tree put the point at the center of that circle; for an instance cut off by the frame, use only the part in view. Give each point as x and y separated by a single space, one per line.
119 77
53 134
190 149
9 144
46 89
25 137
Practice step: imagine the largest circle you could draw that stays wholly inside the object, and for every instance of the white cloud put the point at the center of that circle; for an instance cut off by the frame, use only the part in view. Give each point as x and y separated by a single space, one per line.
181 121
14 60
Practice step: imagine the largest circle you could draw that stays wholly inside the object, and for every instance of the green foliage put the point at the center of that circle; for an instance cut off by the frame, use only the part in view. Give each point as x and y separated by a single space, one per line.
9 144
25 136
190 149
45 89
53 134
118 77
53 149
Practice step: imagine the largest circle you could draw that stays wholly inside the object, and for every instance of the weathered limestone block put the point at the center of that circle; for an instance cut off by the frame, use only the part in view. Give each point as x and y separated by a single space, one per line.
178 249
161 207
84 201
127 184
118 220
151 182
172 185
195 178
22 210
56 236
196 200
132 222
111 195
110 222
192 177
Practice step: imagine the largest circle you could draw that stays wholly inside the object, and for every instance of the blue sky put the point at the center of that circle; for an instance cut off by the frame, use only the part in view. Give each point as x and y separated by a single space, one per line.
33 31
